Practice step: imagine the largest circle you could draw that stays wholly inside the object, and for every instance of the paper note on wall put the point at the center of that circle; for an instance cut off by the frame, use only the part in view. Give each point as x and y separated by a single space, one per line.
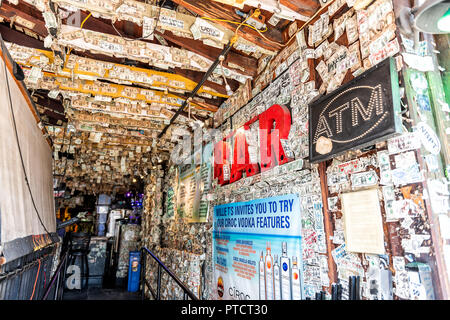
363 224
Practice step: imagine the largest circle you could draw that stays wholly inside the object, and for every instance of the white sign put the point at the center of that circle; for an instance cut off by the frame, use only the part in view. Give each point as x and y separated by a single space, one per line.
428 137
419 63
207 30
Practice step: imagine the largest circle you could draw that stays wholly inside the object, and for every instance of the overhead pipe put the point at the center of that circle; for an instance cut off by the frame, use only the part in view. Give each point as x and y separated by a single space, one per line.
221 57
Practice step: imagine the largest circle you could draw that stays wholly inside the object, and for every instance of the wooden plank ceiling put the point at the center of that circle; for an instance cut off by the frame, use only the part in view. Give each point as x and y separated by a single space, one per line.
131 64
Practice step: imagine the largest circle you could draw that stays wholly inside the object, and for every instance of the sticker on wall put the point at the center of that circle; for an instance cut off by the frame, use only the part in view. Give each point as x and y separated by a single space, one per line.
402 176
428 137
401 278
389 198
423 64
432 162
364 179
385 168
405 142
405 160
332 204
423 101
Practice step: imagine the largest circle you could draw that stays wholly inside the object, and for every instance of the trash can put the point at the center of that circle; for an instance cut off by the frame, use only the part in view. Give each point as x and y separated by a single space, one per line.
134 271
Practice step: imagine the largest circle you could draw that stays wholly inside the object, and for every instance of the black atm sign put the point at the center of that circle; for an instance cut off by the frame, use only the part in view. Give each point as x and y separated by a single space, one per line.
360 113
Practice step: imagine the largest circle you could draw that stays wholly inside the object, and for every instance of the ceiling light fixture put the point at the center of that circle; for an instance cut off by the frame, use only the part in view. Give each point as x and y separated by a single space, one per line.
433 16
443 23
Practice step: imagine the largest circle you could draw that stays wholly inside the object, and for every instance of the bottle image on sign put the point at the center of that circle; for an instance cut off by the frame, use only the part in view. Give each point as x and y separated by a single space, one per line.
276 276
285 265
262 285
269 273
220 288
295 280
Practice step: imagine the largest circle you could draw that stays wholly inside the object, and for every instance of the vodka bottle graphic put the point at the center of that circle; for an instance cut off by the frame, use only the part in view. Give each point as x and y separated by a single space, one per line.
285 266
262 285
295 280
269 273
276 276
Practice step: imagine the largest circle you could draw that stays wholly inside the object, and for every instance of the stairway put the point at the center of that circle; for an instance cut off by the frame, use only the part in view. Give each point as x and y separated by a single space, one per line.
101 294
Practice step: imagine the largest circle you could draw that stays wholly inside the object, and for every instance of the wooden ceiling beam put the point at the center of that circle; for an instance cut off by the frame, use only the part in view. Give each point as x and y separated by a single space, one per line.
20 38
249 64
51 114
11 14
40 97
216 10
304 7
105 26
206 105
132 30
53 108
197 77
100 25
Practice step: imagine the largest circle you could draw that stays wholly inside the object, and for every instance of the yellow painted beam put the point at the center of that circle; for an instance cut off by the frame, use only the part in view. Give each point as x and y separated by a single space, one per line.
54 81
156 78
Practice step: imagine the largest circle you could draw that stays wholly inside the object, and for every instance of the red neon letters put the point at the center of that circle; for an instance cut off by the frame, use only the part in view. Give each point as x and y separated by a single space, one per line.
221 156
274 124
241 158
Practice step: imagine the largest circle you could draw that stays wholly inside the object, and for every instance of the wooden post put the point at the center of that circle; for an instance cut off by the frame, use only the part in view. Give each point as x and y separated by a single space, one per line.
327 220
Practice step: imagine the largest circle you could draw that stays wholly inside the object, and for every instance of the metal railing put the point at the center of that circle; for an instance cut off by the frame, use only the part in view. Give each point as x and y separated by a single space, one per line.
60 272
161 266
25 278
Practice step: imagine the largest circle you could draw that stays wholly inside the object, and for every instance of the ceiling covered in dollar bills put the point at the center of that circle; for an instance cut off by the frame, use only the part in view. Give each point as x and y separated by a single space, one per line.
108 76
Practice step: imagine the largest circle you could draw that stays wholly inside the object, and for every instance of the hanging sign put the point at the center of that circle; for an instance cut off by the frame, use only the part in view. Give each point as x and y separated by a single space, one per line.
257 249
358 114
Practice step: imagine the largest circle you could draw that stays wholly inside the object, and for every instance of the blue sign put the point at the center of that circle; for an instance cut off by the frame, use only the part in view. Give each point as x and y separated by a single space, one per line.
257 249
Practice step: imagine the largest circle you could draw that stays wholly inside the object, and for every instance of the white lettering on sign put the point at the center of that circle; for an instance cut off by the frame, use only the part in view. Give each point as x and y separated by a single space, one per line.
428 137
73 281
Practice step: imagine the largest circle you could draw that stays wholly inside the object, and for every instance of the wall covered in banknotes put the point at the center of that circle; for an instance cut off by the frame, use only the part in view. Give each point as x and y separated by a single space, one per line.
338 46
